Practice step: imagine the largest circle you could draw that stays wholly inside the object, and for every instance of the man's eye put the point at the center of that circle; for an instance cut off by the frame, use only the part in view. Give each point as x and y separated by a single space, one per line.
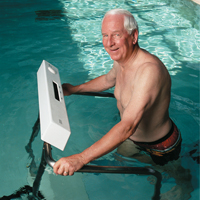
117 35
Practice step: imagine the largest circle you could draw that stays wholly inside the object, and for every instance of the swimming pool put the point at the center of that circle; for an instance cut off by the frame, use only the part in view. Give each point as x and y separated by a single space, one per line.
68 35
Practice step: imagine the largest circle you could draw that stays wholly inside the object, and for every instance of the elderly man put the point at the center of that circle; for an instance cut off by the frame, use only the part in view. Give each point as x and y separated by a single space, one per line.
142 89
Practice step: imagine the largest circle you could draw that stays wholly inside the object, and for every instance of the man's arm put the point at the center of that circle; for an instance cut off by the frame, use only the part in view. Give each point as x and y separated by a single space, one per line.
98 84
119 133
107 143
143 96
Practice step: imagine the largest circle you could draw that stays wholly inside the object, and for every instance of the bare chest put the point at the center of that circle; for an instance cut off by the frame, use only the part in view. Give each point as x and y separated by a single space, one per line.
123 89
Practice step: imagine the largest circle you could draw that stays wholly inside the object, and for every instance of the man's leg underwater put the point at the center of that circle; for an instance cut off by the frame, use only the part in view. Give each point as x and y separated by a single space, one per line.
174 169
131 150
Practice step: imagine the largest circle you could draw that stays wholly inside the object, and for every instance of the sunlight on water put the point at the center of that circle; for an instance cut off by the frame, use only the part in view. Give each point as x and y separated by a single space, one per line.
163 32
87 32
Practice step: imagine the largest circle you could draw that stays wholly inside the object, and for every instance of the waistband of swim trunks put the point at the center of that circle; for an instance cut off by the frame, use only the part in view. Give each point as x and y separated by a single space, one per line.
161 139
178 141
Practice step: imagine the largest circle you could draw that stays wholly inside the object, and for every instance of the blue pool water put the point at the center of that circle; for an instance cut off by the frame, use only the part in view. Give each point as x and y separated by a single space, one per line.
68 35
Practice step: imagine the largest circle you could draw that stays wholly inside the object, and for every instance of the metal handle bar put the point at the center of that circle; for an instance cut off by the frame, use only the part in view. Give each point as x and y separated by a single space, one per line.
100 94
111 169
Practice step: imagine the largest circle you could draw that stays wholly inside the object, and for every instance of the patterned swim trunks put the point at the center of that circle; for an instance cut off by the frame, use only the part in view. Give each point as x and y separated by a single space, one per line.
165 149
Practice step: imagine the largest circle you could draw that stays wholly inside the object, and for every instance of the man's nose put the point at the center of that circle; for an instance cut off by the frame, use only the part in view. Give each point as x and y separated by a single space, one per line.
110 41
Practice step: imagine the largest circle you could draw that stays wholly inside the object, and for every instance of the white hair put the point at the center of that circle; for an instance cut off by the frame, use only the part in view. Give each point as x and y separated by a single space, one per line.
130 23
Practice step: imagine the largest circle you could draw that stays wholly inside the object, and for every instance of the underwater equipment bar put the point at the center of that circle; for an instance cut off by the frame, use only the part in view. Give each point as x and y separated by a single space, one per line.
111 169
55 129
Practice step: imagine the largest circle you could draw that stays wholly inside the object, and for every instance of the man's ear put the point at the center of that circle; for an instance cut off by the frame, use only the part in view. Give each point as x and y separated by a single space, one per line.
134 35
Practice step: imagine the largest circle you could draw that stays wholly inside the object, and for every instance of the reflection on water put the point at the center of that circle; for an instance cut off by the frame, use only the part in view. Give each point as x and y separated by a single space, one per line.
164 31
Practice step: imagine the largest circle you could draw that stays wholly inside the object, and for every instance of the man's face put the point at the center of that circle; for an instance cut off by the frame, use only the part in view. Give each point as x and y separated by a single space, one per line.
116 41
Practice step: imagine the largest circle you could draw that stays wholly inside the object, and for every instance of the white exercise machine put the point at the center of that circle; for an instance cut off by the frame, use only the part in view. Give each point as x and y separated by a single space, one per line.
55 128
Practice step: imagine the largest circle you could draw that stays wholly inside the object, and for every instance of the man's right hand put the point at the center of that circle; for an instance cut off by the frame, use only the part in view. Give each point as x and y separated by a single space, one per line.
67 89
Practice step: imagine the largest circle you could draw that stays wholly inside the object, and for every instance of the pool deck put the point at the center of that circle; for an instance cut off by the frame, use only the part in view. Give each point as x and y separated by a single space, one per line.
197 1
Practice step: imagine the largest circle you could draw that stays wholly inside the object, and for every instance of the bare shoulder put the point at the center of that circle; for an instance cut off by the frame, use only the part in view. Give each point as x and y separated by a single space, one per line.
152 68
116 65
111 75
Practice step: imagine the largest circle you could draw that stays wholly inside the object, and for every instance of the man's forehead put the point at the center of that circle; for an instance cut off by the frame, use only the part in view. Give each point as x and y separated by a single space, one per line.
114 18
113 31
114 23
